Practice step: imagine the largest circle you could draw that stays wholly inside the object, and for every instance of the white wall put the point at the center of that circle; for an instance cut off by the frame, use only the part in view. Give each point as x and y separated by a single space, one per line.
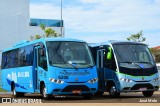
14 19
14 23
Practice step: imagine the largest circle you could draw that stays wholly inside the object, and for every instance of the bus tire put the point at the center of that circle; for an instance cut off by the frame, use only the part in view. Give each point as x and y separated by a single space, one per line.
147 93
16 94
87 96
99 93
44 93
113 91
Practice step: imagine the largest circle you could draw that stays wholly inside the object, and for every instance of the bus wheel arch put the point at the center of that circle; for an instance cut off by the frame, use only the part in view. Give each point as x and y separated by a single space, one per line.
112 89
13 89
14 93
41 86
43 91
12 86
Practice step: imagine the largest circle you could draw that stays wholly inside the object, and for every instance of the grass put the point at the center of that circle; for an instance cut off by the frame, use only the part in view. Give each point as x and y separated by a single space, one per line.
1 90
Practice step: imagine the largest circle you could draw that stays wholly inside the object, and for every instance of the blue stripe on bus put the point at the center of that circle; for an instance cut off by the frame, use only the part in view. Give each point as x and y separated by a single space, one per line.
17 85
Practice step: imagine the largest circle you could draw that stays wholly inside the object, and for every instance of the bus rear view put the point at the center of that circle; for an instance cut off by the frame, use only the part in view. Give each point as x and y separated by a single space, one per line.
53 66
125 67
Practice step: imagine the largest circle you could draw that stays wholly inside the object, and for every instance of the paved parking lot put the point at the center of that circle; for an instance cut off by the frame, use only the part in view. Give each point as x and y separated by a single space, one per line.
124 98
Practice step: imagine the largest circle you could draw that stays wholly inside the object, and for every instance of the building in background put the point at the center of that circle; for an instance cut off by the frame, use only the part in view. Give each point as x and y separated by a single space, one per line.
16 24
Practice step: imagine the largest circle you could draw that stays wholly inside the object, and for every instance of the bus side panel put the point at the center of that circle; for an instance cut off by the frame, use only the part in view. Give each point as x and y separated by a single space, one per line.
110 75
25 80
5 82
22 78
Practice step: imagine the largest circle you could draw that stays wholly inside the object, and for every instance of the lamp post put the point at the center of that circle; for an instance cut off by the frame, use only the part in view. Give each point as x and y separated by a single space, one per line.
61 21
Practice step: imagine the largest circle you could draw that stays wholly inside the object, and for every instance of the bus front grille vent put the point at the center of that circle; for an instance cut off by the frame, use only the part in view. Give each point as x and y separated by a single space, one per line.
70 88
138 86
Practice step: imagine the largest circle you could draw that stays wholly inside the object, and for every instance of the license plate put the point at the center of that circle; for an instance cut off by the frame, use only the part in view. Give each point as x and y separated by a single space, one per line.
76 91
142 89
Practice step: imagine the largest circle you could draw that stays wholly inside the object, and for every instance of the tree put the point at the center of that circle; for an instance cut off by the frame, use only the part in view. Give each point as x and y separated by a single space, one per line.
48 32
156 54
137 37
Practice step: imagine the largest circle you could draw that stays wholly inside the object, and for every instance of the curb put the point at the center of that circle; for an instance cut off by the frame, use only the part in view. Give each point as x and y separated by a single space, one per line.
5 92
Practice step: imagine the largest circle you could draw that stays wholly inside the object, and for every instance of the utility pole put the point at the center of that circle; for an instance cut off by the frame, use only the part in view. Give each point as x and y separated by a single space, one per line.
61 21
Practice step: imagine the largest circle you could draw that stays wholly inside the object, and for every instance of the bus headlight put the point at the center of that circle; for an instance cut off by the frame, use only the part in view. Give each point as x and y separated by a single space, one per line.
93 80
56 81
126 80
156 79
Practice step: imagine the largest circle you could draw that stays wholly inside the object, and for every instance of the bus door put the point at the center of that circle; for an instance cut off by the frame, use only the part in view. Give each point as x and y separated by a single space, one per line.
40 65
110 66
100 69
35 69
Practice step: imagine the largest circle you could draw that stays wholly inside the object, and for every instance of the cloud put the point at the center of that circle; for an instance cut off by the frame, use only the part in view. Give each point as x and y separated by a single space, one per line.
99 38
103 16
90 1
106 16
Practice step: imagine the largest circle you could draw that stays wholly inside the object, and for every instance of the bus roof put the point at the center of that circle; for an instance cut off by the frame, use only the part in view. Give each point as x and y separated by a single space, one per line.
112 42
25 43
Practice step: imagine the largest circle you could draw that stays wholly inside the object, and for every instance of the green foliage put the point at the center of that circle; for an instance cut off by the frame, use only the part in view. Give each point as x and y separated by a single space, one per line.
35 37
43 27
156 54
137 37
2 90
48 32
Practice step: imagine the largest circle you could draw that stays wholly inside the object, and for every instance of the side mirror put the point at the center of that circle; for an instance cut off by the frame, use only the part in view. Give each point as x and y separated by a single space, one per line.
109 54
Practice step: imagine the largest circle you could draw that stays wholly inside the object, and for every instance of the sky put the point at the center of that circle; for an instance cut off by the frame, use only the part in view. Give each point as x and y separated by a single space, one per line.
102 20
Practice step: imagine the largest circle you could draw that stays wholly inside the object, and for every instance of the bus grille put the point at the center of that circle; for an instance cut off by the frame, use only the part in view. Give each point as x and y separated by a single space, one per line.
70 88
138 86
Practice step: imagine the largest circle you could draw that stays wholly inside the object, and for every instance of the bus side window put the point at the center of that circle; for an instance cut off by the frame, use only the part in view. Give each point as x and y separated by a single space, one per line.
42 60
109 60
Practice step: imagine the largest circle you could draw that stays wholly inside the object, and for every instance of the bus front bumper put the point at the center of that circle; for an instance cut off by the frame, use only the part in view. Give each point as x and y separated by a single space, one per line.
72 88
138 86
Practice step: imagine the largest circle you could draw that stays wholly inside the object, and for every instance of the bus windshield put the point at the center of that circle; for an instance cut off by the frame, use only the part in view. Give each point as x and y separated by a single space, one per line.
67 54
133 56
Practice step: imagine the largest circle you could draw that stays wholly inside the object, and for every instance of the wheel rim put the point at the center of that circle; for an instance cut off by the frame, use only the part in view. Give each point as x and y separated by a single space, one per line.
45 92
113 90
14 91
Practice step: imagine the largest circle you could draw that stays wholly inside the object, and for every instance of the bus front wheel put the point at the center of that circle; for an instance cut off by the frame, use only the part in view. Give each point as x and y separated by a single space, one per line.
147 93
16 94
44 93
113 91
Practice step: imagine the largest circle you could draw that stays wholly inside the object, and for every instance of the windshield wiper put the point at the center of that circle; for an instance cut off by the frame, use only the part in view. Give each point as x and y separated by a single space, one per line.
72 66
147 63
89 65
134 64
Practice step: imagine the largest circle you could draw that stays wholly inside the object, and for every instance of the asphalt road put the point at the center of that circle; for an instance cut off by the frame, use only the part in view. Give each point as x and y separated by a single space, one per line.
124 98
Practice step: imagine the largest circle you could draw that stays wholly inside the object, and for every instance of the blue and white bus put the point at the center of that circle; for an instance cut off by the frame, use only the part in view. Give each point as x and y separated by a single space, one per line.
125 67
51 66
